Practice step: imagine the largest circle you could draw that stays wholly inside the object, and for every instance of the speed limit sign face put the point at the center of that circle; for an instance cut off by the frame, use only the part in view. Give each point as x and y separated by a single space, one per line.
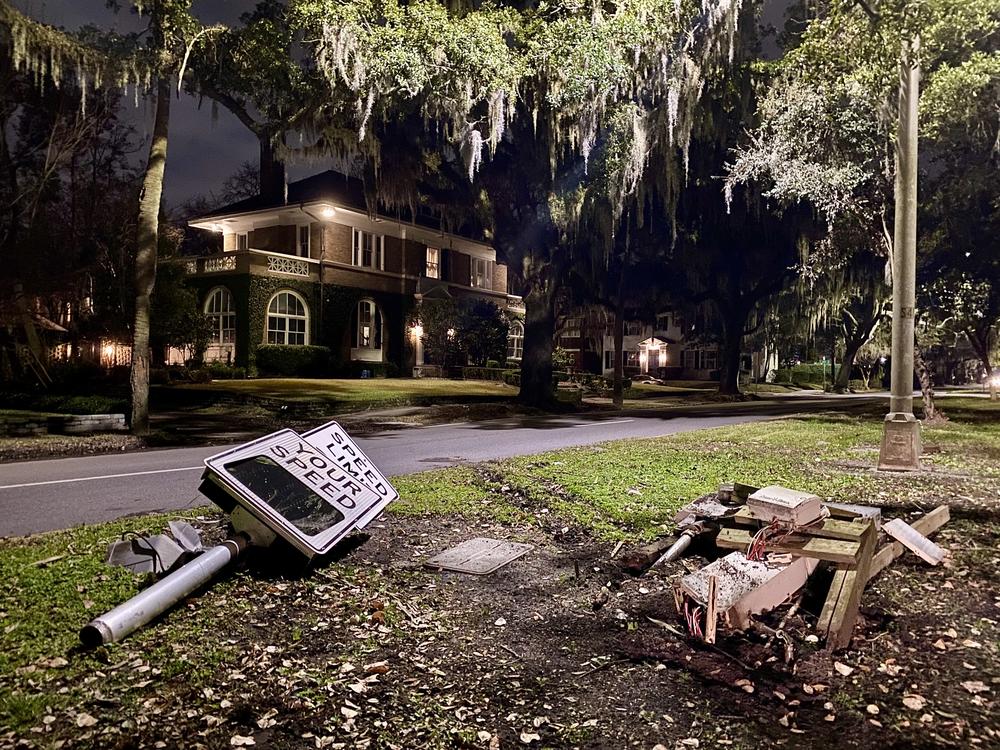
333 441
297 490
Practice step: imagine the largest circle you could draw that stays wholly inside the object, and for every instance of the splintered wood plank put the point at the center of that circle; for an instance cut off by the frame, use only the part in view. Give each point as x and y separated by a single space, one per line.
913 540
832 550
927 524
711 615
855 512
832 597
845 613
829 528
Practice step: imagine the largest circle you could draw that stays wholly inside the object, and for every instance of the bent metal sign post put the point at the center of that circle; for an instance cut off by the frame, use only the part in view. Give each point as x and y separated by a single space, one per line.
311 490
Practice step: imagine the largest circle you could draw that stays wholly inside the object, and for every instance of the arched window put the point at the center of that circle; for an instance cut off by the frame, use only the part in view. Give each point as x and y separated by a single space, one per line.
287 320
369 330
221 314
515 340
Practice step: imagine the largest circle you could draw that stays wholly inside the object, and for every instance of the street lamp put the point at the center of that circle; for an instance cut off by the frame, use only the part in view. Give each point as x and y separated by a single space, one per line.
900 450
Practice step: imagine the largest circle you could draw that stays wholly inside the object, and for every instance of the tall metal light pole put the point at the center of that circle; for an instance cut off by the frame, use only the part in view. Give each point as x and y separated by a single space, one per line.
901 434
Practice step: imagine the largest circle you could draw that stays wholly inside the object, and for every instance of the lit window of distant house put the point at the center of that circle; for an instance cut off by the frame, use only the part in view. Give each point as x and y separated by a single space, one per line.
433 263
287 320
368 249
482 273
631 359
515 340
304 244
369 333
242 241
221 316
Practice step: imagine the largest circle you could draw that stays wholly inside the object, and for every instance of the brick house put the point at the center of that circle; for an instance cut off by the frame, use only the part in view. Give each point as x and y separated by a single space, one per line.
320 269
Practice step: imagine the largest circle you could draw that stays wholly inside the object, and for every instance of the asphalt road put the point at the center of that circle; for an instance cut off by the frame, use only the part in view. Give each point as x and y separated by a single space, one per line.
59 493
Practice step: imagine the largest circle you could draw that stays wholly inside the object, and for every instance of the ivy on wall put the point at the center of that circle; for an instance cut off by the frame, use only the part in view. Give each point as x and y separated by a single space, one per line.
261 289
330 323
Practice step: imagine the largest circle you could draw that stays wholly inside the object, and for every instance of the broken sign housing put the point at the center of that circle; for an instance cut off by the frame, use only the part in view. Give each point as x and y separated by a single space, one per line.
296 489
787 506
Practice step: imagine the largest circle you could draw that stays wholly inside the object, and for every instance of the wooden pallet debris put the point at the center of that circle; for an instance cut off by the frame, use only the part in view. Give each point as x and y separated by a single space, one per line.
787 535
800 545
840 610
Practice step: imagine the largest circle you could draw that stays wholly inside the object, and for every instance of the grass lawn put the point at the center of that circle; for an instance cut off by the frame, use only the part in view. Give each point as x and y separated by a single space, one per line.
358 393
557 650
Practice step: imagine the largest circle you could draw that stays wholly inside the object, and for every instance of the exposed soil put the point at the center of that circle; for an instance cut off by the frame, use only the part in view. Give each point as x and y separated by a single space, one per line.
559 649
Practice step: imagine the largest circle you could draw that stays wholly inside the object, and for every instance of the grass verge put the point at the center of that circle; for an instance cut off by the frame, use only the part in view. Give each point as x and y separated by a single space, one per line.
370 650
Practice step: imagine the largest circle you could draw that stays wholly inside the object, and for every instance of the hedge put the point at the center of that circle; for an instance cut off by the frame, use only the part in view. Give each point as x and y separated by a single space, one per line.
497 374
303 361
817 373
374 369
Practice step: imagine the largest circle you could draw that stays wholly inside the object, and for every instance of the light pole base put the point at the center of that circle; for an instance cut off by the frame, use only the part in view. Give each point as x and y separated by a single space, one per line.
901 445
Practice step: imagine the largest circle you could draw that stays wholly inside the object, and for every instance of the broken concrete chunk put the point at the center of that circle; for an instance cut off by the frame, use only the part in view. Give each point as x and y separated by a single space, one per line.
746 587
777 503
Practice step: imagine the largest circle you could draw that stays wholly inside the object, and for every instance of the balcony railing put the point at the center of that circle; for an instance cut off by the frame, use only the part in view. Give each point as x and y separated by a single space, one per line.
287 265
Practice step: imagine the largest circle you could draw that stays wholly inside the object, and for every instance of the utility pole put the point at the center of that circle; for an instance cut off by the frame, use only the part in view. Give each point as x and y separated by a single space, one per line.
901 446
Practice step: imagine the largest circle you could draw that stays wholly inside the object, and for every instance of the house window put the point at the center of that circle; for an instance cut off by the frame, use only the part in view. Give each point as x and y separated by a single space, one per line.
609 360
221 316
287 320
631 359
369 331
515 340
433 263
633 328
243 241
482 272
368 250
305 240
711 359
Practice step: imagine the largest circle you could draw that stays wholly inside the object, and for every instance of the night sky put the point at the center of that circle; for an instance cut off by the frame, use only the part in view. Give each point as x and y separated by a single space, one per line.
200 154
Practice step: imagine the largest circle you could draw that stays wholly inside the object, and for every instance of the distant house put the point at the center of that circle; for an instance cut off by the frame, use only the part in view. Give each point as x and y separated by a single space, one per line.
321 270
657 349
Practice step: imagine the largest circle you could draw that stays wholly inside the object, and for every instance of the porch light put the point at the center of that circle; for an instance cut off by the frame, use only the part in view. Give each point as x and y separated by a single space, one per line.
417 331
328 212
451 333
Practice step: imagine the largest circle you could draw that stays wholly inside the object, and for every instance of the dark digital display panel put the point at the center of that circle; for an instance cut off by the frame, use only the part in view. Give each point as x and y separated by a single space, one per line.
293 500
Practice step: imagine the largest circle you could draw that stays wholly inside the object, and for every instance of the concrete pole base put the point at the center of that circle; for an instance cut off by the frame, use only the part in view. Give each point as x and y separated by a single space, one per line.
901 446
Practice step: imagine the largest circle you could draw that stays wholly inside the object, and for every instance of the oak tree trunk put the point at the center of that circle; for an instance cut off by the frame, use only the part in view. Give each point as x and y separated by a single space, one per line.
619 335
931 412
980 342
733 324
843 379
536 361
145 257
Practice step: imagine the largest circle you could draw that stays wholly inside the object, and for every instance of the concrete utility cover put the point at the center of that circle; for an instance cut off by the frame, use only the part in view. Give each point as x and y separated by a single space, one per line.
479 556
